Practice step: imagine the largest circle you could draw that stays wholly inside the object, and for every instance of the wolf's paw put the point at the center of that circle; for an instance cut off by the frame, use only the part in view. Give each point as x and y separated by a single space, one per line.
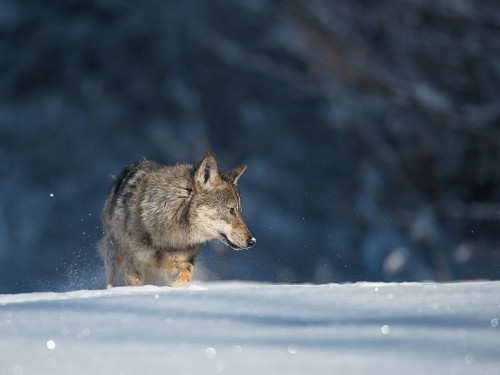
132 280
178 283
183 279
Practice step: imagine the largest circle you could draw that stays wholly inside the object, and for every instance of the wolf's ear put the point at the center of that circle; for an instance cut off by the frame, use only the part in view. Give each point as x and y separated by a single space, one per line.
235 174
206 173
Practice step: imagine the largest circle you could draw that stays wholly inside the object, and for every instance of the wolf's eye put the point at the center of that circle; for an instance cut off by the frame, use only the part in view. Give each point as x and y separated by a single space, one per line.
232 211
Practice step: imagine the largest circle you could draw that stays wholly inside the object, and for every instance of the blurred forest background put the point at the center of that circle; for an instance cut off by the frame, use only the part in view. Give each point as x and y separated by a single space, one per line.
371 130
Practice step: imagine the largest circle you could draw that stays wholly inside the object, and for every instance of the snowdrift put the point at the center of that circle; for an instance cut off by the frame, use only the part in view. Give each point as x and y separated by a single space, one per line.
245 328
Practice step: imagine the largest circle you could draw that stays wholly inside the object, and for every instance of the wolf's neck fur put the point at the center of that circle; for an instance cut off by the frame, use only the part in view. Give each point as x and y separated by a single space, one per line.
169 222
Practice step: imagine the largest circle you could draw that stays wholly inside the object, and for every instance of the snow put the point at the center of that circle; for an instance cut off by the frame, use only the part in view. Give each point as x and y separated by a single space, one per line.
251 328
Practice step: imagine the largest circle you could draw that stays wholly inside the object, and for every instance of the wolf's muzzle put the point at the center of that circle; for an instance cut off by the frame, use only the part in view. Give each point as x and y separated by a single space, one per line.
250 242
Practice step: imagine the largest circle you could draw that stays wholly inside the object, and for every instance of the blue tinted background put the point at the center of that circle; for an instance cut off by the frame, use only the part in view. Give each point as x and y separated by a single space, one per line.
371 132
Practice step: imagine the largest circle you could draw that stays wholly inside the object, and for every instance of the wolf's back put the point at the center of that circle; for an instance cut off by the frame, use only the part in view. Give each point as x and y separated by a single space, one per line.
124 193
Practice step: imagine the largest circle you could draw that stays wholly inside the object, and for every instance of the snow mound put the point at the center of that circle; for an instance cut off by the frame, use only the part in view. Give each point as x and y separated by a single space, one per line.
248 328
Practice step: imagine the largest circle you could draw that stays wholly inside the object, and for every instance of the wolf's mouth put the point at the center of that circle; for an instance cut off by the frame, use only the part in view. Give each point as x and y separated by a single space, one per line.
224 239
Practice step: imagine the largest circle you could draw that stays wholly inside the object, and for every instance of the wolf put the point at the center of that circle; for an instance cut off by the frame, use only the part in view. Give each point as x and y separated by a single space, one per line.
156 217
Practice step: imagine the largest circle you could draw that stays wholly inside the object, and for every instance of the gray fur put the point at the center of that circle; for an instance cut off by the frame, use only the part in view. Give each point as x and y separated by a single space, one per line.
156 218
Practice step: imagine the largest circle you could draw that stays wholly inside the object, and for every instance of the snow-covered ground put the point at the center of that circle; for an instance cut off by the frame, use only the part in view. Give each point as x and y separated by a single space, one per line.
246 328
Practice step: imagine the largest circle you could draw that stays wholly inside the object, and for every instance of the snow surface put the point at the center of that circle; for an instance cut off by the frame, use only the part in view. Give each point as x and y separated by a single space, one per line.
248 328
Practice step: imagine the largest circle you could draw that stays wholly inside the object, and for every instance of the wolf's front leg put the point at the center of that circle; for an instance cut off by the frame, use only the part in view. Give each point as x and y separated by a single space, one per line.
184 271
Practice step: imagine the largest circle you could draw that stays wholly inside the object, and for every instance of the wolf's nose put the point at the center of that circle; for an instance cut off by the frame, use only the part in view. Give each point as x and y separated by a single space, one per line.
252 241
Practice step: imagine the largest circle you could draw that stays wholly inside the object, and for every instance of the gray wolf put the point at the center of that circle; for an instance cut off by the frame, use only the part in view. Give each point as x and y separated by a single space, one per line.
156 218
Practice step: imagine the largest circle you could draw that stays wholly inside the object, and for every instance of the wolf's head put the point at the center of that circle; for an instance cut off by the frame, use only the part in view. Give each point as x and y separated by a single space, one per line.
216 205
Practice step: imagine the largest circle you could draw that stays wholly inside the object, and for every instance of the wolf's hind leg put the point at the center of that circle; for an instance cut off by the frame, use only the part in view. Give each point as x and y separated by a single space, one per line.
135 274
112 261
184 270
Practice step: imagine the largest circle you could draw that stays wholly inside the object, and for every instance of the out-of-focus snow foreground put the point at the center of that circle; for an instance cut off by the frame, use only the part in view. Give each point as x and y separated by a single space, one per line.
248 328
